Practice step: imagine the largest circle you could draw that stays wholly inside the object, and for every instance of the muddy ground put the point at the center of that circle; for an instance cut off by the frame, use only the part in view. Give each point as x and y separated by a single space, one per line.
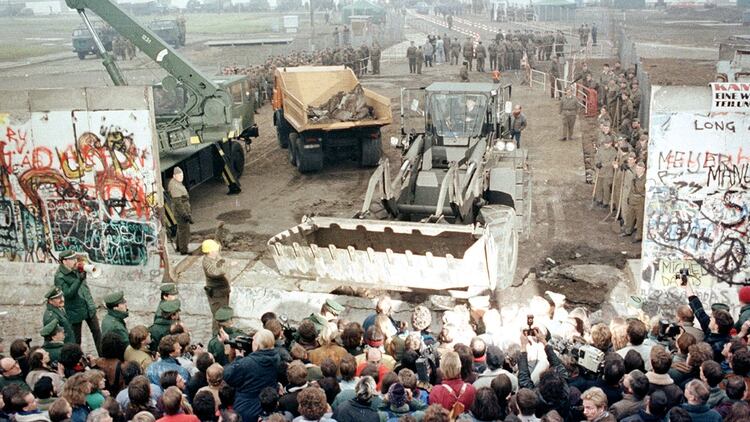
565 228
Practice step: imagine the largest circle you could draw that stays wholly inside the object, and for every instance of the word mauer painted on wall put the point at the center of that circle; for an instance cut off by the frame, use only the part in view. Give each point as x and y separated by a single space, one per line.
697 203
78 179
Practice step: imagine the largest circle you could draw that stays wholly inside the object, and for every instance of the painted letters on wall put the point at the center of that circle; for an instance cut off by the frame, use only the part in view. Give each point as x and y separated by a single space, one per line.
81 180
697 206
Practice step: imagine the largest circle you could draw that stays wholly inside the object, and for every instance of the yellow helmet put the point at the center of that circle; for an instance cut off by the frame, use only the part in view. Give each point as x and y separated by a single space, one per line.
209 246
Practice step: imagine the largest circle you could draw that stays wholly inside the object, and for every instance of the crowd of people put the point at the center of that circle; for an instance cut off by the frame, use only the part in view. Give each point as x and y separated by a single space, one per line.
547 364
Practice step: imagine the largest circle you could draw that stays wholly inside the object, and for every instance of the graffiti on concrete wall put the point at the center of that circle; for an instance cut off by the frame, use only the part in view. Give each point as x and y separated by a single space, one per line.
80 180
697 204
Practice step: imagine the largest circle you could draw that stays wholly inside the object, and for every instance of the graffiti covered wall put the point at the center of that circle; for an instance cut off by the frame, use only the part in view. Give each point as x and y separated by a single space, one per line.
697 200
79 170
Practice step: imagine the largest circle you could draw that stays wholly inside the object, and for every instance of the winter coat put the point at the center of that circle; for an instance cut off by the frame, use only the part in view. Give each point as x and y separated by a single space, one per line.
717 341
52 313
115 321
248 376
355 411
702 413
79 305
449 392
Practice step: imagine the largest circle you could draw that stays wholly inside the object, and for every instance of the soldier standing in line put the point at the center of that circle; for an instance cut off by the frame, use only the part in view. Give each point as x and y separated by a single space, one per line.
420 59
182 27
439 51
181 208
375 57
217 285
447 47
117 312
481 54
628 174
56 311
168 293
635 96
455 51
594 30
560 42
346 35
411 55
130 49
606 163
554 73
569 111
517 53
636 202
468 50
464 73
492 52
167 315
428 51
336 36
365 57
450 22
79 305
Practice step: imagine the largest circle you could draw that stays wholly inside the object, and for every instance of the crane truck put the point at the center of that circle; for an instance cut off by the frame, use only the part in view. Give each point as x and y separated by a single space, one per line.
201 122
450 218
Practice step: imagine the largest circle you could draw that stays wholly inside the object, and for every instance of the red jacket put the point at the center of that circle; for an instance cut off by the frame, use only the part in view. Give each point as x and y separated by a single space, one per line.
449 391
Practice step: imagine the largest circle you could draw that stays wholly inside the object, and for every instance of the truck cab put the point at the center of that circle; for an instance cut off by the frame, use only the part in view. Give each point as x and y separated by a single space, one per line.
168 30
83 42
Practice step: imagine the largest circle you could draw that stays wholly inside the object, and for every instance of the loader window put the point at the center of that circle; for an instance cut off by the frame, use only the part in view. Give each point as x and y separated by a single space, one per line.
169 103
458 115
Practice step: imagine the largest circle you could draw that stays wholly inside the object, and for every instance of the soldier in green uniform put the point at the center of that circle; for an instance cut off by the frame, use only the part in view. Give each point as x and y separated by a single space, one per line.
217 285
455 51
375 58
56 311
636 201
328 312
181 207
79 305
169 313
569 111
168 292
468 50
604 159
54 336
481 55
411 56
223 318
182 27
117 312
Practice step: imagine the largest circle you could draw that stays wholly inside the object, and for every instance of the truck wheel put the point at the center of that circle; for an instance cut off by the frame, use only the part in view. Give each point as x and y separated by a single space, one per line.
81 55
237 159
370 156
308 160
282 133
291 146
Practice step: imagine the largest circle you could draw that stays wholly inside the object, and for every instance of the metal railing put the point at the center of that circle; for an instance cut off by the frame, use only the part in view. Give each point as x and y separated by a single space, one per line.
537 78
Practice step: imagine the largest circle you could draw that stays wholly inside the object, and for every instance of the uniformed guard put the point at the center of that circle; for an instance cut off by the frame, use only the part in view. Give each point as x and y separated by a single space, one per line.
117 312
54 336
569 112
636 202
420 59
455 51
79 305
481 54
375 58
182 27
605 162
55 311
468 51
181 208
411 56
328 312
224 318
217 285
168 291
168 314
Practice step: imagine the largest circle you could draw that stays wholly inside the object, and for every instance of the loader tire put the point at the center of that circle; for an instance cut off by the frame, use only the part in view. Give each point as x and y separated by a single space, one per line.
292 147
237 158
370 156
81 55
308 160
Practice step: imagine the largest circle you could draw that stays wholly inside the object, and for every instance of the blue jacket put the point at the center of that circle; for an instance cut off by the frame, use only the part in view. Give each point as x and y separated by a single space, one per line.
163 365
248 376
702 413
80 413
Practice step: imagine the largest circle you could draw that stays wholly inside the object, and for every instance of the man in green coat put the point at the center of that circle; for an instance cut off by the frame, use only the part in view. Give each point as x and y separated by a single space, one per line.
168 314
223 317
53 335
168 292
79 305
56 311
117 311
328 312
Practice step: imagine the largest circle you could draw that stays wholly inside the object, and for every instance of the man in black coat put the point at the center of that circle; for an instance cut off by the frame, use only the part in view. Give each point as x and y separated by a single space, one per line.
359 409
252 373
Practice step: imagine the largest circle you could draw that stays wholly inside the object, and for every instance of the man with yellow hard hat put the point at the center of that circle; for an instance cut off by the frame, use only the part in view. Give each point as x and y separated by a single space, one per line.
217 285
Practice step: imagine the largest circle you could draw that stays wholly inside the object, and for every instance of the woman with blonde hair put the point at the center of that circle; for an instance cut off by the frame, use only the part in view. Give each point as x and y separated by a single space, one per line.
453 389
75 390
327 347
618 328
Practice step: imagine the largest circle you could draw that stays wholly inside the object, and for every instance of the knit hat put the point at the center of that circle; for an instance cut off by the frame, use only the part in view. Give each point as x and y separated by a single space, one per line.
744 294
397 395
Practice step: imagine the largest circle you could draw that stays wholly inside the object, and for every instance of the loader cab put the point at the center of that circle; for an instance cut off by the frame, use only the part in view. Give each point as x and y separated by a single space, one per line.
458 115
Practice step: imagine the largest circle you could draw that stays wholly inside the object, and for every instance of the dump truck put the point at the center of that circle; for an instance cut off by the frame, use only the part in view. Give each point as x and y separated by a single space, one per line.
449 220
314 118
203 123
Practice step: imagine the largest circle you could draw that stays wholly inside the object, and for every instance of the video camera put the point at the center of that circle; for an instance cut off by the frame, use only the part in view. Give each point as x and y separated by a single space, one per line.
244 343
289 332
683 275
668 330
530 331
587 357
427 363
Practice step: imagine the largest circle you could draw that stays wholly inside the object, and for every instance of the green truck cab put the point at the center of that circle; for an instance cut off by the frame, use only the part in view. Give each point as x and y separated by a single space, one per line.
169 31
83 42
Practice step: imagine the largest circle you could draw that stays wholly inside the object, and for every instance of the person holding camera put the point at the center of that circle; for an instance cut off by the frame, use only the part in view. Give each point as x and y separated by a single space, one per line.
552 386
717 327
79 305
250 374
217 345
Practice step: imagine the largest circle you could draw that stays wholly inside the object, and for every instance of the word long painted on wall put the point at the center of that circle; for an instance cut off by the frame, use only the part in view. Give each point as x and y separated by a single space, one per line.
81 180
697 205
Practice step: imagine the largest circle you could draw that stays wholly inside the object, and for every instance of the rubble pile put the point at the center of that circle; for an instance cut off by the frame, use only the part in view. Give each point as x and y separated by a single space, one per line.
342 107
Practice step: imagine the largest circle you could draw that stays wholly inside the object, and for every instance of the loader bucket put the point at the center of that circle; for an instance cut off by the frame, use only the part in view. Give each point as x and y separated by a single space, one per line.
396 255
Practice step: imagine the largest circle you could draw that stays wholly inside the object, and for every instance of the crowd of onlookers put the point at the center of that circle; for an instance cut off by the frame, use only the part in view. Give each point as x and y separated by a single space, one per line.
482 365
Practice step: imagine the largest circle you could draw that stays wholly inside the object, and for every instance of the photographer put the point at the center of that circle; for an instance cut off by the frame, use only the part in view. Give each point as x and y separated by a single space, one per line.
226 332
716 327
685 319
552 387
252 373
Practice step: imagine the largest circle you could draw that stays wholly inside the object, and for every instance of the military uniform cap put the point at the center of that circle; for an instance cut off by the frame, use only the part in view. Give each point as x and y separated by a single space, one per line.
170 306
334 306
720 307
225 313
53 293
49 329
114 298
169 288
67 254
